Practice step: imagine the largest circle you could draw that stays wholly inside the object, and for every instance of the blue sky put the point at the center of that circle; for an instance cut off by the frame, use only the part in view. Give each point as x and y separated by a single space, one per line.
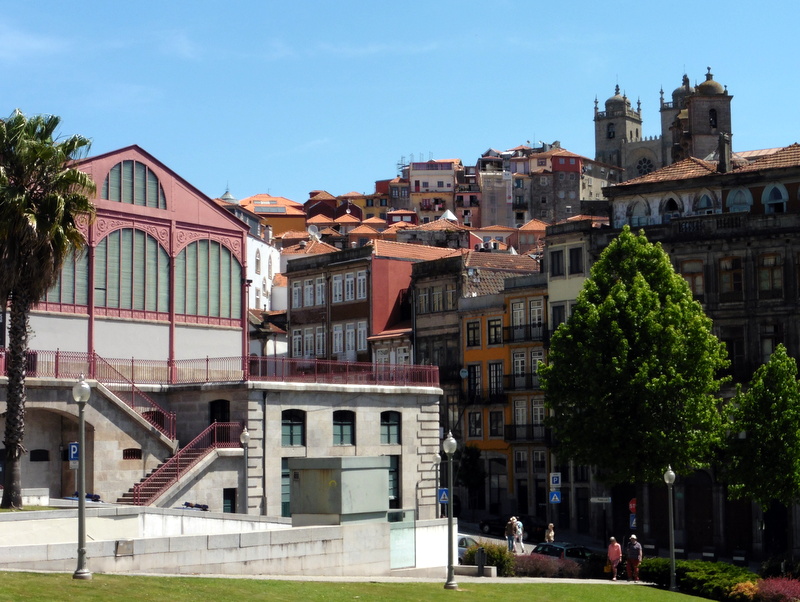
288 97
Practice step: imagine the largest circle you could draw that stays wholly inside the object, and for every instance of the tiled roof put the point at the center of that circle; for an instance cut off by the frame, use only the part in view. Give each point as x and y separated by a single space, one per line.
496 228
441 225
329 232
347 218
319 219
501 261
535 225
290 234
279 280
314 247
253 203
363 229
398 226
402 212
319 195
597 220
352 195
374 221
682 170
402 250
786 157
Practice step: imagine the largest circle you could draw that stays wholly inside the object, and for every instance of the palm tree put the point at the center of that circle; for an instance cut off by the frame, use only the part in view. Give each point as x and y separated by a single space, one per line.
42 197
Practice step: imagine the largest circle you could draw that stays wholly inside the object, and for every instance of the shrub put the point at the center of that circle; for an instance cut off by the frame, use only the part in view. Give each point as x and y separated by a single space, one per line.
712 580
783 565
778 589
497 555
539 565
744 591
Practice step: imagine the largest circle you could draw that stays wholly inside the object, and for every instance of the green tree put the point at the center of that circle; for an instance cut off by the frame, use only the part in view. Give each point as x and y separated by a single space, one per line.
631 379
763 461
42 196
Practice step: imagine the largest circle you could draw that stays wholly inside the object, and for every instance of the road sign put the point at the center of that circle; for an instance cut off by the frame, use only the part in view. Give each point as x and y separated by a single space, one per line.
555 480
444 496
463 373
633 521
555 497
632 505
600 500
74 454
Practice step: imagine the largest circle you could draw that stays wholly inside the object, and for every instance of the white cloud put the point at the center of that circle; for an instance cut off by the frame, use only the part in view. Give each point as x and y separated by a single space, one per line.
17 45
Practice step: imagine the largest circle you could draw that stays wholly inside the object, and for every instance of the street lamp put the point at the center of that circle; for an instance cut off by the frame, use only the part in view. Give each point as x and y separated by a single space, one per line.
669 479
449 446
80 393
244 439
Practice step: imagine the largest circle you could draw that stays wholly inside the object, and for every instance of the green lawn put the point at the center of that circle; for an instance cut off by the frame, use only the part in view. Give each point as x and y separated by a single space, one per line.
48 587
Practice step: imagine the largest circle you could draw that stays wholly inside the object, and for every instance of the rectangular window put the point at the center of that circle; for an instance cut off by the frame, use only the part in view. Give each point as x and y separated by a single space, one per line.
770 276
730 279
495 378
576 260
297 294
308 342
475 424
496 423
559 315
474 380
286 488
338 291
320 341
308 293
473 334
390 428
361 285
350 337
437 299
362 336
692 272
349 287
495 331
556 263
344 427
520 461
394 482
537 412
320 291
338 338
422 301
539 461
450 297
297 343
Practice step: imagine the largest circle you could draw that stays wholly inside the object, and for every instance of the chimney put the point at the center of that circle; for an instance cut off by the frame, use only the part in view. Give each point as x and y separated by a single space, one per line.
724 152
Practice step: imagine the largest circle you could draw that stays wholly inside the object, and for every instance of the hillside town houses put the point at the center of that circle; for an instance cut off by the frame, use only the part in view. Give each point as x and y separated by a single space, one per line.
422 307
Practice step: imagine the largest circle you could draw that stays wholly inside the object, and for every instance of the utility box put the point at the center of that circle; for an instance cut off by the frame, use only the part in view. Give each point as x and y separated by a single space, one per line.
332 491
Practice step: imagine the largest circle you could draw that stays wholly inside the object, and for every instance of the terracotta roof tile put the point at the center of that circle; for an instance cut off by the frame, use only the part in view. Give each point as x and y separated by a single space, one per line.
319 219
374 221
501 262
402 250
290 234
398 226
441 225
786 157
535 225
363 229
314 247
279 280
682 170
347 218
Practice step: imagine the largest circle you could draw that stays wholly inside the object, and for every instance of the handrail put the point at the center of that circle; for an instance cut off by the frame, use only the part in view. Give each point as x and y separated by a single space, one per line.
217 435
68 364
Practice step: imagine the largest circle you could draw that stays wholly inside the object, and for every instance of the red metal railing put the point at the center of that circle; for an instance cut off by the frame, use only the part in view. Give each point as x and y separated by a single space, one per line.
70 365
66 364
219 434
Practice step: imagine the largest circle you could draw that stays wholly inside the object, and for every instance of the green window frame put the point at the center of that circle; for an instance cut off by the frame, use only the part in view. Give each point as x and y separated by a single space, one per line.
208 281
134 183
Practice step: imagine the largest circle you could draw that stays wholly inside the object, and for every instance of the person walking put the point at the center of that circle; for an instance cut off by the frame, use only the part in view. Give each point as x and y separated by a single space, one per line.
519 536
550 534
633 552
511 532
614 557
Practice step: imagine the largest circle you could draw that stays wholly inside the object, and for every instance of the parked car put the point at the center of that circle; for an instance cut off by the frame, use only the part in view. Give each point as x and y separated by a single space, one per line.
464 543
562 549
533 528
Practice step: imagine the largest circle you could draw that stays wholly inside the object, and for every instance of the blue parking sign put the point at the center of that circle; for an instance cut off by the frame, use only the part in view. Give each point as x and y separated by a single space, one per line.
74 451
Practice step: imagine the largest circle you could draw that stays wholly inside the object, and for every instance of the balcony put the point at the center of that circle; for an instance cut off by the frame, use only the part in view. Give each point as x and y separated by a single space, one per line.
519 204
477 397
527 433
524 333
521 382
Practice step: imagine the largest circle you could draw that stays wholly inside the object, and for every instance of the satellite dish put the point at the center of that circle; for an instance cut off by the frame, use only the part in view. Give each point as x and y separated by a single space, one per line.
313 231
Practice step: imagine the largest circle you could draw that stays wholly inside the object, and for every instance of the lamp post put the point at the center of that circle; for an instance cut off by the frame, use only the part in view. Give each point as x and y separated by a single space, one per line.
80 394
244 439
669 479
449 446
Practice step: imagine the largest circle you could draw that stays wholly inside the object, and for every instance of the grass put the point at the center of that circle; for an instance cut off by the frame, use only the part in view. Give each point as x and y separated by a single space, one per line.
36 587
28 509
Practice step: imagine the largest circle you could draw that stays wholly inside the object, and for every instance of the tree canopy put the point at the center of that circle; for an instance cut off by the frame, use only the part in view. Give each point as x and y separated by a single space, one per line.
42 197
631 381
764 444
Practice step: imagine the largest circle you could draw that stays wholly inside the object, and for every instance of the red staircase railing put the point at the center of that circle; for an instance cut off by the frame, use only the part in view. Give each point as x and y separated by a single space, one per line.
218 435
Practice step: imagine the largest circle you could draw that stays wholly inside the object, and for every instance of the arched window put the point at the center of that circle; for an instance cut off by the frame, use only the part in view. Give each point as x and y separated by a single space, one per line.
774 198
638 214
671 209
611 131
344 427
705 206
72 287
712 118
134 183
739 201
131 272
293 428
390 428
258 261
208 281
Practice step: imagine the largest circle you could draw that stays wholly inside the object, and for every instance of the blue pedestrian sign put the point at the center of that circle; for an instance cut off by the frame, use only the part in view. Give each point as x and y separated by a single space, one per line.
555 497
74 454
444 496
632 522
